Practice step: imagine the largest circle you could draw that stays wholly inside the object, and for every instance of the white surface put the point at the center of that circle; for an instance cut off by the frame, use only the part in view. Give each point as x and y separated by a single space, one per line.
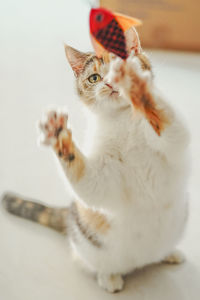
35 262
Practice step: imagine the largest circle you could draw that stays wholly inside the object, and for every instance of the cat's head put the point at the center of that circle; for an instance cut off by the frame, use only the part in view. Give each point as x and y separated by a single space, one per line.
90 72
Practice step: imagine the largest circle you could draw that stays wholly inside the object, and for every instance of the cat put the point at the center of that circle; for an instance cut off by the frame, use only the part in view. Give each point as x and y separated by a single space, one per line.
130 205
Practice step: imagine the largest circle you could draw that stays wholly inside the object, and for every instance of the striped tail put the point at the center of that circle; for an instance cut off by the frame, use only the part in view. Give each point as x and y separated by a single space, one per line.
54 218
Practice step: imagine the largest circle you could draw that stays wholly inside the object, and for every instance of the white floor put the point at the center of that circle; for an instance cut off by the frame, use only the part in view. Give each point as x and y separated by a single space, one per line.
34 261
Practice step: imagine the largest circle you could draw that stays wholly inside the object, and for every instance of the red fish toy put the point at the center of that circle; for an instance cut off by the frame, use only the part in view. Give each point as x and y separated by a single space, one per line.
107 31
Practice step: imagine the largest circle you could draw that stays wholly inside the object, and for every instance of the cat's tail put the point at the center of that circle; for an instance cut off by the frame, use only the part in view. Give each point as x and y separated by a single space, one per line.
54 218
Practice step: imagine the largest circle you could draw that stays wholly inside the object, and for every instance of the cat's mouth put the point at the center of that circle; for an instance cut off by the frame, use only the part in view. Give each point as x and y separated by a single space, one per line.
114 93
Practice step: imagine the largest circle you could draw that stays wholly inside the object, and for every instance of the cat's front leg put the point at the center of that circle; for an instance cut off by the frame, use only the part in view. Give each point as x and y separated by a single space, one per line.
163 129
56 134
136 84
85 174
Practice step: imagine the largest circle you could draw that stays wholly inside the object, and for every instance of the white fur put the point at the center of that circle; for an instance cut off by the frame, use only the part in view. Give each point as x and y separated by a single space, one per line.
139 180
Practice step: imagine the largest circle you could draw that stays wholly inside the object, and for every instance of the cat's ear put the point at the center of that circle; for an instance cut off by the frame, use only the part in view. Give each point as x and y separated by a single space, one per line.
76 59
133 41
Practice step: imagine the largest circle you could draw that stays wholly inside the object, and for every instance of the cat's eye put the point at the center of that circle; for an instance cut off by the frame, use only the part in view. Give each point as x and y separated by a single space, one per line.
94 78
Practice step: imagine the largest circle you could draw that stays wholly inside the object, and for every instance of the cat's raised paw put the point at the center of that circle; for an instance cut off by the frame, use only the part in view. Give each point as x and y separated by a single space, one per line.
116 72
126 74
55 132
52 126
111 283
134 68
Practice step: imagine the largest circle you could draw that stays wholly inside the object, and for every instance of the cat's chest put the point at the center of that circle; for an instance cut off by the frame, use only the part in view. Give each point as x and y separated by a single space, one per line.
128 158
140 168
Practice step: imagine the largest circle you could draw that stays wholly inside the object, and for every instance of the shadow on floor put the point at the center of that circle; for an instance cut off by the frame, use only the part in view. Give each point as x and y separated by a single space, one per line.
164 282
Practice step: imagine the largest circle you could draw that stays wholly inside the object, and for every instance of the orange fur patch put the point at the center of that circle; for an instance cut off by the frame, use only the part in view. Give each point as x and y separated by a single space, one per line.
97 65
78 165
95 220
143 101
67 151
95 68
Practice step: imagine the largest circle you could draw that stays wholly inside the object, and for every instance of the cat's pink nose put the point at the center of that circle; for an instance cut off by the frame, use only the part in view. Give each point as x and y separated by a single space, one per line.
109 85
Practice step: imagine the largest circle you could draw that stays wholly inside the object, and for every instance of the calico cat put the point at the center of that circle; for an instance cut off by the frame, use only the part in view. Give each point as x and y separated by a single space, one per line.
130 206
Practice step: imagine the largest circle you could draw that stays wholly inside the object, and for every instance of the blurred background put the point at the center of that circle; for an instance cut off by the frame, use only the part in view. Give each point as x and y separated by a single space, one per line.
167 24
34 74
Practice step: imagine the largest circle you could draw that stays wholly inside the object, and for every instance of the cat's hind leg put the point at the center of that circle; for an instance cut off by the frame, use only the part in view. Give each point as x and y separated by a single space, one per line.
112 283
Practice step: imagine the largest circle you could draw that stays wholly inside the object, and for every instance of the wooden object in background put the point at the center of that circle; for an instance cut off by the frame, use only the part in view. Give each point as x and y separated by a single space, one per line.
169 24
